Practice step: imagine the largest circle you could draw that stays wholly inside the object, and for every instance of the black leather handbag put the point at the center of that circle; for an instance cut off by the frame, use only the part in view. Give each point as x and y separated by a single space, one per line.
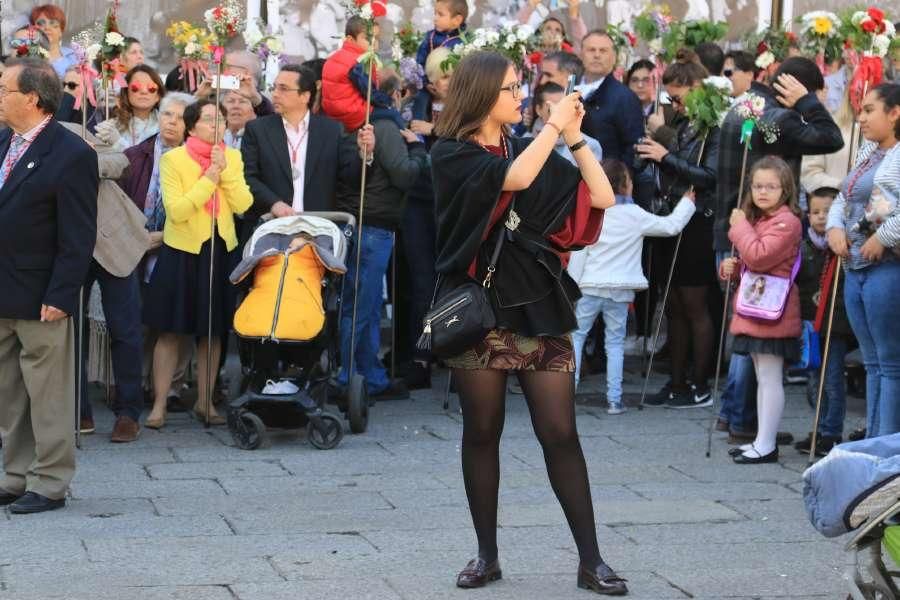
463 316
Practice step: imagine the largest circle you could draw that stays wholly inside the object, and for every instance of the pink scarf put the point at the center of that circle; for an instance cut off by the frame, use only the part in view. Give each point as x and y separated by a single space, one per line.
201 152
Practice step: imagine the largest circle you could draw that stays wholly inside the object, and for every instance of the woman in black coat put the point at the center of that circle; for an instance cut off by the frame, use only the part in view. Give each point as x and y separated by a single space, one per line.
489 184
690 161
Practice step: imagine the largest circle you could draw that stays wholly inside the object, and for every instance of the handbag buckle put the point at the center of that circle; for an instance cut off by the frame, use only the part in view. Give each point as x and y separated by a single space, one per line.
513 220
487 278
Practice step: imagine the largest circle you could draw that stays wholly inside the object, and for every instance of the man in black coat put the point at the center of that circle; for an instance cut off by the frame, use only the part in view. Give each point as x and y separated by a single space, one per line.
48 220
293 159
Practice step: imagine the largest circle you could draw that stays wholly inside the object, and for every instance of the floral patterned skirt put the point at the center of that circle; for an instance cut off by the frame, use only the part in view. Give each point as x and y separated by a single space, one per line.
507 351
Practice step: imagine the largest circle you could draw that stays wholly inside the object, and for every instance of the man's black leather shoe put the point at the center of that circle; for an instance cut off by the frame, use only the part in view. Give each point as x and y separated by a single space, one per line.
32 502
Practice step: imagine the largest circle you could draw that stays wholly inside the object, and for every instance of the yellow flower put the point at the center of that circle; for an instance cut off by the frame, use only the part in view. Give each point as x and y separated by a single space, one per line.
823 26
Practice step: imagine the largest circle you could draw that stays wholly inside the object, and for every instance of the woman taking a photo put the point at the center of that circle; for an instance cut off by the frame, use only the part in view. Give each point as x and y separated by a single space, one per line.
200 180
489 184
864 229
689 162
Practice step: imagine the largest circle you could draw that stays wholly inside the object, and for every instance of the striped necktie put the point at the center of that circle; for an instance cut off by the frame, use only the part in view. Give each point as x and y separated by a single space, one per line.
12 157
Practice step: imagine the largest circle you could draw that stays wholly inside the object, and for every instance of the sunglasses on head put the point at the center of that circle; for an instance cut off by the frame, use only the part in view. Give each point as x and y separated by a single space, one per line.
70 85
675 99
136 87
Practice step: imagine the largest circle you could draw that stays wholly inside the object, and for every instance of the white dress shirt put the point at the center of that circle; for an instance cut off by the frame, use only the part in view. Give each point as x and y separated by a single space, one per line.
298 142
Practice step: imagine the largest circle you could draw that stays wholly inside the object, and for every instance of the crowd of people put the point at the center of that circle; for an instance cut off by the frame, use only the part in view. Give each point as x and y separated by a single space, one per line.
613 185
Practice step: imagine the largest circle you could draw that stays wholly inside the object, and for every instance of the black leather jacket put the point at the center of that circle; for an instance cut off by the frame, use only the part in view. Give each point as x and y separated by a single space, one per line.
682 168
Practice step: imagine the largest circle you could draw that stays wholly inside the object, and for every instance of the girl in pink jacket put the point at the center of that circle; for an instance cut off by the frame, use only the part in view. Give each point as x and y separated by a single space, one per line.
766 232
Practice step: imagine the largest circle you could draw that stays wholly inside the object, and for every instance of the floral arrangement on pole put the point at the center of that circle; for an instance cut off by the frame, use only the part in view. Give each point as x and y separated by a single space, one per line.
869 37
750 108
707 104
262 44
224 22
111 45
771 47
29 46
652 25
84 66
404 48
820 36
192 43
690 34
515 41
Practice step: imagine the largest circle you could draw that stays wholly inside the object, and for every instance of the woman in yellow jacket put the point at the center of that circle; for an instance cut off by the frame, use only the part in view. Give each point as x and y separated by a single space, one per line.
198 180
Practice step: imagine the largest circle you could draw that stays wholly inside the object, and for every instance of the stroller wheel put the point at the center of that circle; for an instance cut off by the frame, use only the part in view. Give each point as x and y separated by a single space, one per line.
329 433
358 405
247 430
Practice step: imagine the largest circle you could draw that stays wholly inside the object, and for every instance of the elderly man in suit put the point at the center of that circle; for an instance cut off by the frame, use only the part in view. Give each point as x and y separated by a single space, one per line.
122 242
613 114
48 224
293 159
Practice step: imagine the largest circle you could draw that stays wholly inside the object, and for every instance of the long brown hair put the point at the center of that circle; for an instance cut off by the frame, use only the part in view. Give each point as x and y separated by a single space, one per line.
785 178
474 89
124 112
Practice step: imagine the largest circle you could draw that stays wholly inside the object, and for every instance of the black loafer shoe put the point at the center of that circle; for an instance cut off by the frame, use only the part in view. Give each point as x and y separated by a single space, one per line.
7 497
732 452
602 580
35 503
757 460
479 573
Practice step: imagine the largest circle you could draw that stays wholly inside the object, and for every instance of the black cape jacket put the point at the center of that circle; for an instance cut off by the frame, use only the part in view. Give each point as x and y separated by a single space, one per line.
531 292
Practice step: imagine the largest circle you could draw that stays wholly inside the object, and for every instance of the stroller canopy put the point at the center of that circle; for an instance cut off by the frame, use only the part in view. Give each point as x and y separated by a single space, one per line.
275 237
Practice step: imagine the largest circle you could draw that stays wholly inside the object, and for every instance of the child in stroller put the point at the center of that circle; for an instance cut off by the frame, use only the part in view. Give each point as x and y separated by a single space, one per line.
287 328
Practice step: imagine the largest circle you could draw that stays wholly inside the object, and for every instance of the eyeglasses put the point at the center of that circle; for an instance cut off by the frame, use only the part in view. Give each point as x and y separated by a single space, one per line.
640 81
70 85
675 99
283 88
42 22
765 187
728 73
514 88
136 88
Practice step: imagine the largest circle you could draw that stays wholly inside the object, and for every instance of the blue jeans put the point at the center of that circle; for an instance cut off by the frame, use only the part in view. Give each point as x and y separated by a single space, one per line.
122 309
377 245
615 317
739 397
834 395
870 295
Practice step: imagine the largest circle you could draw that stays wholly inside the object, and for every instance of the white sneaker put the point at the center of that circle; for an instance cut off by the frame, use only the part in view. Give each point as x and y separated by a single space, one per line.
280 388
616 409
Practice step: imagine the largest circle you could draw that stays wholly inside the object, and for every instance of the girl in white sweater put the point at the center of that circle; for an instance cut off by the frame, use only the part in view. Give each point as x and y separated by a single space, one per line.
609 272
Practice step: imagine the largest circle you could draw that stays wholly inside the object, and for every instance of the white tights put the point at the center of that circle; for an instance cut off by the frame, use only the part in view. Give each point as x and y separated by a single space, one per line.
769 403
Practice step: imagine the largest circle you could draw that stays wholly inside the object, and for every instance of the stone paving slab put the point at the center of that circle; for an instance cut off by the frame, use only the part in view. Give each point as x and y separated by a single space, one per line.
183 514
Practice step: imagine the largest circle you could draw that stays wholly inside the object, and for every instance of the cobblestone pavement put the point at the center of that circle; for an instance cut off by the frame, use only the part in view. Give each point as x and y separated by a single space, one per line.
183 514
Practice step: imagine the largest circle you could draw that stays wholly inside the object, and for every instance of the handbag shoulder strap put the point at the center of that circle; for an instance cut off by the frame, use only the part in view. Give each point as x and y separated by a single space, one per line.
797 262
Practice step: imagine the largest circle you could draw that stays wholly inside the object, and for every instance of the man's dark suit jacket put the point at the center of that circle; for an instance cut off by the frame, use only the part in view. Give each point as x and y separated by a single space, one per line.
613 117
267 164
48 223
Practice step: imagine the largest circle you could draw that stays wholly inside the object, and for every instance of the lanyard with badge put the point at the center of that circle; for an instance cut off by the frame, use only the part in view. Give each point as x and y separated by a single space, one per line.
295 151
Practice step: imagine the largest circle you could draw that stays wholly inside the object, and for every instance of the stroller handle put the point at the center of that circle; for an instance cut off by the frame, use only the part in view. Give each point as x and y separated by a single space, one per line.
337 217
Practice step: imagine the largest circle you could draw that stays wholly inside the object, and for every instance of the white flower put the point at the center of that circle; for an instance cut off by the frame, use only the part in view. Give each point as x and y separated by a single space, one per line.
396 51
92 51
880 45
759 104
720 83
114 38
524 32
253 35
366 11
191 48
655 46
492 36
765 59
509 43
275 45
889 29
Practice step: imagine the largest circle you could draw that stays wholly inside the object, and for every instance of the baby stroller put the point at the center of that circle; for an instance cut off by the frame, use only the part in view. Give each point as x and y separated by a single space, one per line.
857 486
287 326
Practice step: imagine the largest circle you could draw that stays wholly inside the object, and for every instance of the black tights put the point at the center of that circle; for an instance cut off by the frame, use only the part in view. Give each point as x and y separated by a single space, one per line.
690 325
551 400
